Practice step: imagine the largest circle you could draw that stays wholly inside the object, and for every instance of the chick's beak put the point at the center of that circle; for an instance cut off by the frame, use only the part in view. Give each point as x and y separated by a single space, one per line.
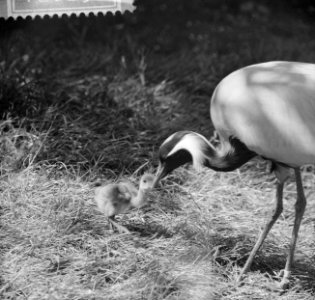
161 173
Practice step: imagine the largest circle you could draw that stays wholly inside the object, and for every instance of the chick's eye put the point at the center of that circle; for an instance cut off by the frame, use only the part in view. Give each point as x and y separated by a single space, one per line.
144 181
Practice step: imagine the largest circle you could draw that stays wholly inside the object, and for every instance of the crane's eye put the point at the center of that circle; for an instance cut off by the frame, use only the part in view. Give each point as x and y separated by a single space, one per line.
162 159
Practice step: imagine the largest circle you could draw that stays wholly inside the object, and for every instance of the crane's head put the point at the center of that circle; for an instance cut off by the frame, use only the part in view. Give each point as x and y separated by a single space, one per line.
146 181
180 148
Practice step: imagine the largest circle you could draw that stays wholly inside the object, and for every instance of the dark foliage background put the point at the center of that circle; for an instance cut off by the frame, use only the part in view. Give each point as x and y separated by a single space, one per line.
102 92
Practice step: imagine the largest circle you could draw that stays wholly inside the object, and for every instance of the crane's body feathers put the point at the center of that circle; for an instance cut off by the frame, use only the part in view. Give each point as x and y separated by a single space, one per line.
270 107
229 156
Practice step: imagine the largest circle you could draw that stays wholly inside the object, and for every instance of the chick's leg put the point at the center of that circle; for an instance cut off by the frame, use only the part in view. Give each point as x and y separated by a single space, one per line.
114 224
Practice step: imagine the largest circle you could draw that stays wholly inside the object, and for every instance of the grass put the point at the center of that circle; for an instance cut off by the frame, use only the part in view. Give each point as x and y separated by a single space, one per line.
188 242
84 105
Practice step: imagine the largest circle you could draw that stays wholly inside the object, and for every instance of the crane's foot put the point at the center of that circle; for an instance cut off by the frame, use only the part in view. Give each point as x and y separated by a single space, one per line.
240 278
285 282
114 225
283 285
245 269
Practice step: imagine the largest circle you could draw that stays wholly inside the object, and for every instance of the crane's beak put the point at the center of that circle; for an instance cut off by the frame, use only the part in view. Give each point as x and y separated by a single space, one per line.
161 172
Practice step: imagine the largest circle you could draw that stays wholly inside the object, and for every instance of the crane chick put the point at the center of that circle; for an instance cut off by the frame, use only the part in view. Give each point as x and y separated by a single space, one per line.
118 198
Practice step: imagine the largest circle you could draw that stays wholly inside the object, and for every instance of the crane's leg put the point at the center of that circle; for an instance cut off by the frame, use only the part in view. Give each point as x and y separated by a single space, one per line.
275 215
299 211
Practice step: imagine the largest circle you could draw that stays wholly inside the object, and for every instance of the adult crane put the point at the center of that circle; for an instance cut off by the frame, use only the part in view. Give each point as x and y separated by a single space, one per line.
266 109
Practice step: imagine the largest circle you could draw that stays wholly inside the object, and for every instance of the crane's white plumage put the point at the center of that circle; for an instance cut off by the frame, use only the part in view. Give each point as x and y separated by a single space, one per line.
189 142
270 107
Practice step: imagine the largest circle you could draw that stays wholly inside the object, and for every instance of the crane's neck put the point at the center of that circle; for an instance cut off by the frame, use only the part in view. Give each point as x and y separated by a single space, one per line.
190 147
227 156
138 200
